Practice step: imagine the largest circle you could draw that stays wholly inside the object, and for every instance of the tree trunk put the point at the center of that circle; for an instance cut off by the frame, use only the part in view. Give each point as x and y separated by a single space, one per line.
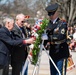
71 12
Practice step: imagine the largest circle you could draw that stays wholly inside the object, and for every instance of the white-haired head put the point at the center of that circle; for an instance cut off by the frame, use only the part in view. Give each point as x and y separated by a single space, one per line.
7 19
8 22
19 16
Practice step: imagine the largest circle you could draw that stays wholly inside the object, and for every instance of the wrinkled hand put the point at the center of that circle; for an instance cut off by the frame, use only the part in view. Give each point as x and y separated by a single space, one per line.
30 40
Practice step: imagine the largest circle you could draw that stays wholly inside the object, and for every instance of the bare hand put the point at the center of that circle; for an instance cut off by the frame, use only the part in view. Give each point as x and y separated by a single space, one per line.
30 40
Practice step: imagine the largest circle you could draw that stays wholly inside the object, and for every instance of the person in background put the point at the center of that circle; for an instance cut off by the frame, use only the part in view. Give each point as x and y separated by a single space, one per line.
19 54
7 43
28 29
72 45
56 32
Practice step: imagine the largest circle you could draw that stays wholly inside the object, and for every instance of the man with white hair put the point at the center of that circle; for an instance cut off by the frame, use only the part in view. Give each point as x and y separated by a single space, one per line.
7 43
19 53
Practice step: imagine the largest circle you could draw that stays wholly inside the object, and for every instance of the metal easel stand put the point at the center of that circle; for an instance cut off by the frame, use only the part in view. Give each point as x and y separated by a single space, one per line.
36 70
25 66
37 66
52 60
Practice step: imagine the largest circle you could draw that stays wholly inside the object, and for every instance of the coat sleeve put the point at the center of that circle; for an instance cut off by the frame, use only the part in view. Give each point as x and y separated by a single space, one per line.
8 40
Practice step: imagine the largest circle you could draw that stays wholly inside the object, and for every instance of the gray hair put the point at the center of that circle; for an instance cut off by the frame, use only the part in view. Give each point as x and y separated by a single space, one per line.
19 16
7 19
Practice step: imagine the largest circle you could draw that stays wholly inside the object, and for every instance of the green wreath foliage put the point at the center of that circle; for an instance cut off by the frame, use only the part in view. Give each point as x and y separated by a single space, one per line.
38 41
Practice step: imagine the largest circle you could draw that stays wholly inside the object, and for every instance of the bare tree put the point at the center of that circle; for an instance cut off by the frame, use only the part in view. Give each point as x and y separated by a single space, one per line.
30 7
68 10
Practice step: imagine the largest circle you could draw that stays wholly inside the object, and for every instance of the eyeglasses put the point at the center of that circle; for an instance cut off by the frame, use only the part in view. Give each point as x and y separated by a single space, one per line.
22 21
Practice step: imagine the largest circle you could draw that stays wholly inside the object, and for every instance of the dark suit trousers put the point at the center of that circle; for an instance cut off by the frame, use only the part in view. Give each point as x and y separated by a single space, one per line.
16 68
18 58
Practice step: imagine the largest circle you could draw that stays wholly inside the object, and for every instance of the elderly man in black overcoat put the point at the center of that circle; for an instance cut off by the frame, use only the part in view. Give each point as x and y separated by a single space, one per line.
19 54
7 43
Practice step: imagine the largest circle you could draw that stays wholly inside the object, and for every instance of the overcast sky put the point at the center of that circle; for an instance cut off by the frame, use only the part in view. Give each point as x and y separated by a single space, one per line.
3 1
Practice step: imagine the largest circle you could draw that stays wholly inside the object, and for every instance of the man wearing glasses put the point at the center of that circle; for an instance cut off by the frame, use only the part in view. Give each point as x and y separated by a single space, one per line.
18 57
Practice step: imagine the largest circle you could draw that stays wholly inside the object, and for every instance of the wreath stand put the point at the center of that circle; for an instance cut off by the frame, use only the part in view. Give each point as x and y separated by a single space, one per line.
37 66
